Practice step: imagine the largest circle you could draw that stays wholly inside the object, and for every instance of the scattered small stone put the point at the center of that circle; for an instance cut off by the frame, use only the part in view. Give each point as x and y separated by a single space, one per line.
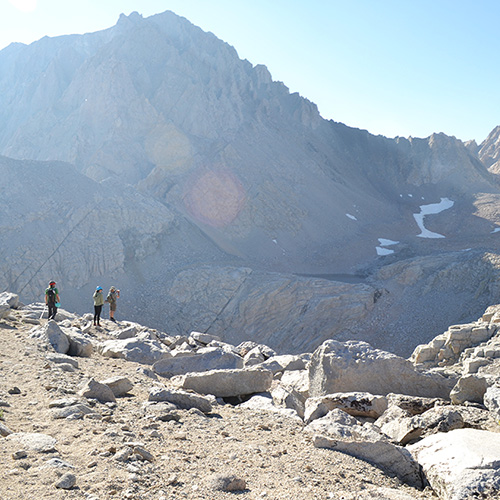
66 482
14 390
172 480
19 454
4 430
4 403
222 482
146 455
57 462
123 455
63 402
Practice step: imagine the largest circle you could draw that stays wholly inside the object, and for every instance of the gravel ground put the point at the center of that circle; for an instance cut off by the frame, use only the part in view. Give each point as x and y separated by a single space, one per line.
183 454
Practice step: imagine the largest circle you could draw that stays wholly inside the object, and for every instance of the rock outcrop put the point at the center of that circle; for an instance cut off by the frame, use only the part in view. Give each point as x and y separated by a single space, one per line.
461 464
356 366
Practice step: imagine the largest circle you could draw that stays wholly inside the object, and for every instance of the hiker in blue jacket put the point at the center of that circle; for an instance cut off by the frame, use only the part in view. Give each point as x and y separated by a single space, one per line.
98 303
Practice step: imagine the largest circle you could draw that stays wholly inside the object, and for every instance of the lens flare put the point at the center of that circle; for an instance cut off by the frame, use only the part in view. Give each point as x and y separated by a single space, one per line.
215 197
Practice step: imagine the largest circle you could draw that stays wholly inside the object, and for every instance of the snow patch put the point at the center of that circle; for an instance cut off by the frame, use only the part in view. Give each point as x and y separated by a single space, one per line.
387 243
383 251
431 209
496 230
351 216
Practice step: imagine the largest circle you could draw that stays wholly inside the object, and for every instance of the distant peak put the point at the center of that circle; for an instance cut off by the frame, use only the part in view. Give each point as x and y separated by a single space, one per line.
133 18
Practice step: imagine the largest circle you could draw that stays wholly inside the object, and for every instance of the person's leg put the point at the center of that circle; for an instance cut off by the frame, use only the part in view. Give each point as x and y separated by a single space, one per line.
98 312
52 313
95 315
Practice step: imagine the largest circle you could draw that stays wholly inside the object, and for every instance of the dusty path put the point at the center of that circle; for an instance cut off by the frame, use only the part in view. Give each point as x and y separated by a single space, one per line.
187 449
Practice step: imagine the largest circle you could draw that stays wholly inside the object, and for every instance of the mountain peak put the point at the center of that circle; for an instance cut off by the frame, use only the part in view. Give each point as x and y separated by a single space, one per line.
133 17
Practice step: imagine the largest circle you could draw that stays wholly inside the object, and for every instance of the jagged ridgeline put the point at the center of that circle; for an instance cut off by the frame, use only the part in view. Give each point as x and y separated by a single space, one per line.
149 156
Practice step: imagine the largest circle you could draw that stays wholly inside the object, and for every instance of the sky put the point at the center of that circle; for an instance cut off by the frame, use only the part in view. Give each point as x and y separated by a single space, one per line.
392 67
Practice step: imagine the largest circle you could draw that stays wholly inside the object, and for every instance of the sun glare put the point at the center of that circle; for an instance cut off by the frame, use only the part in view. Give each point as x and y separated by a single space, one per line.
24 5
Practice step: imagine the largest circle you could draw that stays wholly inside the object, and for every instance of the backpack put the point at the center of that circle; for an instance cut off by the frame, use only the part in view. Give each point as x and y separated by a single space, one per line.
51 296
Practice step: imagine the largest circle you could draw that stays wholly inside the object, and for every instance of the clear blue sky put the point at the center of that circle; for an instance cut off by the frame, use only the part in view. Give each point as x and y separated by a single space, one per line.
393 67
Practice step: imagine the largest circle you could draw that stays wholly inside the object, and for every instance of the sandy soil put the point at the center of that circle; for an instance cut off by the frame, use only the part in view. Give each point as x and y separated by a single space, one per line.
190 451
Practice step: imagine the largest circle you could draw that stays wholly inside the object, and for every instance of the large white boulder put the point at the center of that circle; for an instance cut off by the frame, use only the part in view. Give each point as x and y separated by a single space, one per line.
357 404
138 350
8 301
52 334
341 432
226 383
403 428
182 399
92 389
79 343
461 464
210 358
469 388
492 400
356 366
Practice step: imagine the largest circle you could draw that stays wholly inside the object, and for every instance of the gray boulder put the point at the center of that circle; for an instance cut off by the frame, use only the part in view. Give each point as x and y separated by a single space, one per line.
79 344
286 362
356 366
119 385
53 335
492 400
4 430
144 351
182 399
414 405
461 464
286 397
8 301
469 388
34 441
227 383
204 338
210 358
62 359
357 404
403 429
298 380
95 390
341 432
128 332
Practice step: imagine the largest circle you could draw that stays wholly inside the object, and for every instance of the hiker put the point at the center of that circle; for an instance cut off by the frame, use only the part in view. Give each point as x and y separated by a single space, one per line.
52 300
98 303
111 298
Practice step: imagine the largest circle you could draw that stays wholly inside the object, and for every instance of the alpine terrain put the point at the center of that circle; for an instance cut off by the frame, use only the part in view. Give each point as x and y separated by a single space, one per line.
307 310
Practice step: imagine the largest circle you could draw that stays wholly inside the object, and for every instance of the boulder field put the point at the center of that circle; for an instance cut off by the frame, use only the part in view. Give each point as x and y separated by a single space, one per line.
127 411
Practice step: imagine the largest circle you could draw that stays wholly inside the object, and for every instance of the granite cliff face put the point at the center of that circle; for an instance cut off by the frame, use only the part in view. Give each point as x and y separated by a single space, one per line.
489 151
200 163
